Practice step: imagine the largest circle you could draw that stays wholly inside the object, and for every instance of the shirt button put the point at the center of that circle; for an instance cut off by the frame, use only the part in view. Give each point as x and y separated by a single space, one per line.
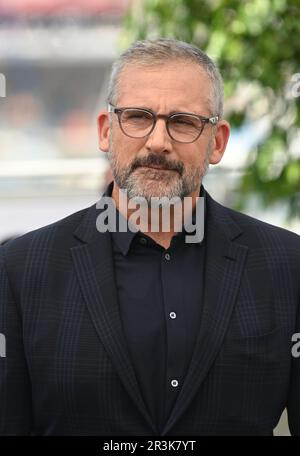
174 383
143 241
167 256
173 315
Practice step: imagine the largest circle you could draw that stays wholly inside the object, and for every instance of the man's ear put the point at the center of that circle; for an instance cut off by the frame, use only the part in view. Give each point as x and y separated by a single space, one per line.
220 141
103 130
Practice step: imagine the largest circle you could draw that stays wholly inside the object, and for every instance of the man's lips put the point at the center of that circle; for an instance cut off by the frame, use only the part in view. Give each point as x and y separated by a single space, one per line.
160 168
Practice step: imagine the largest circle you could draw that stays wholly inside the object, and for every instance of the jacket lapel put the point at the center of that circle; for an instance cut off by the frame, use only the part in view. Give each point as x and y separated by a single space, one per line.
94 267
223 270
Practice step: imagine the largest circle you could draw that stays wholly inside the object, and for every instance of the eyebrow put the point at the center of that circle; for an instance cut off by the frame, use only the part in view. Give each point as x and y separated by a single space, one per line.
166 114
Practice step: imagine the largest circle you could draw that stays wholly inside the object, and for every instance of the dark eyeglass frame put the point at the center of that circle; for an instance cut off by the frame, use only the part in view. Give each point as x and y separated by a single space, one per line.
204 120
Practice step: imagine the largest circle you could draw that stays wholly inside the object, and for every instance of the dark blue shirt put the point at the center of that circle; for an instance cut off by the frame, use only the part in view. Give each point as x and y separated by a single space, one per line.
160 300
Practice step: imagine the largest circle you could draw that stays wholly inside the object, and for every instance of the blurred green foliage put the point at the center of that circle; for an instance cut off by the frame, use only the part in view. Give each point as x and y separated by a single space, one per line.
256 45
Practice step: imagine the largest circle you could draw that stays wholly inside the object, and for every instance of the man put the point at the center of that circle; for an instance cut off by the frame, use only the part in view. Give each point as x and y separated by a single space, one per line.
137 331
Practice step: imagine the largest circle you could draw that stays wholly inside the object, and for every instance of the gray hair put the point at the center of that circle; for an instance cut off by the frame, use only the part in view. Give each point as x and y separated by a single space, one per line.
164 50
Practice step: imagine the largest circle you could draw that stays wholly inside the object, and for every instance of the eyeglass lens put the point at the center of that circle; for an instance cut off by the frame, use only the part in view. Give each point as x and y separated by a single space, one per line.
181 127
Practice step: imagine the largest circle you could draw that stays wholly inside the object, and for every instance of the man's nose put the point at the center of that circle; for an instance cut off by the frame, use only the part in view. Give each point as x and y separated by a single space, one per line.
159 140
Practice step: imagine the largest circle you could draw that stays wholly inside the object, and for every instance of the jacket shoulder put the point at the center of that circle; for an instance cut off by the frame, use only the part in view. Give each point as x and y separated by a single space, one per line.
254 232
248 222
60 231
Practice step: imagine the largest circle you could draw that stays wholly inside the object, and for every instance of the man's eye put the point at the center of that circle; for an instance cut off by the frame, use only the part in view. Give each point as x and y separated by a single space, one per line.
183 121
136 116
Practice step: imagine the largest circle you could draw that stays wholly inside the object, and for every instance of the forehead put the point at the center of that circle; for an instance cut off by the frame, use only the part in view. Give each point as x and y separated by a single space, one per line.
173 86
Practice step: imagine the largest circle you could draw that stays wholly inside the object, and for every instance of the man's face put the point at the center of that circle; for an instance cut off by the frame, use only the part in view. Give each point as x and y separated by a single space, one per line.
158 166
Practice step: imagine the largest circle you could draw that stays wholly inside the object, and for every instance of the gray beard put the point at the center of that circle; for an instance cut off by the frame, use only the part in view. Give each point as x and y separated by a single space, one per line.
166 184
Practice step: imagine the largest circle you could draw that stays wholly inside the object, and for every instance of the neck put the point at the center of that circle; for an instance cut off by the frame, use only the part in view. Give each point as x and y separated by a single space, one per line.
158 222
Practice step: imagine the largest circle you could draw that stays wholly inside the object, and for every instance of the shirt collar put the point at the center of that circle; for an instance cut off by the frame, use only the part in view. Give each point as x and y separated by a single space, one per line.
123 240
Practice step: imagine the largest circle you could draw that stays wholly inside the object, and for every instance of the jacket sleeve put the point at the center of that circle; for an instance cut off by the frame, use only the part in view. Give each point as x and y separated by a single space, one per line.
15 388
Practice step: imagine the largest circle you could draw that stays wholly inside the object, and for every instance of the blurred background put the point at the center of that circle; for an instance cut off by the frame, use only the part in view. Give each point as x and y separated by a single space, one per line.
55 59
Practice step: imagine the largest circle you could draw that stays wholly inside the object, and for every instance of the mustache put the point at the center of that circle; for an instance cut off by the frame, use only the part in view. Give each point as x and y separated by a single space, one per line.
157 160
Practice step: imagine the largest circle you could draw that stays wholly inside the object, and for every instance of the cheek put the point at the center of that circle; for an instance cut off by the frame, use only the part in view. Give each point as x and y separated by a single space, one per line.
126 148
195 155
191 157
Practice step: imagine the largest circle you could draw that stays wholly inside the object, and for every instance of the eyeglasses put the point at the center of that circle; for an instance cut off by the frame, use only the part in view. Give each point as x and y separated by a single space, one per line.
181 126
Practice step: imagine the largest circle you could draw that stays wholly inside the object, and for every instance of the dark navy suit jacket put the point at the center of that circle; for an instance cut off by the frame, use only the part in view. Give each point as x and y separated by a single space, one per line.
67 369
